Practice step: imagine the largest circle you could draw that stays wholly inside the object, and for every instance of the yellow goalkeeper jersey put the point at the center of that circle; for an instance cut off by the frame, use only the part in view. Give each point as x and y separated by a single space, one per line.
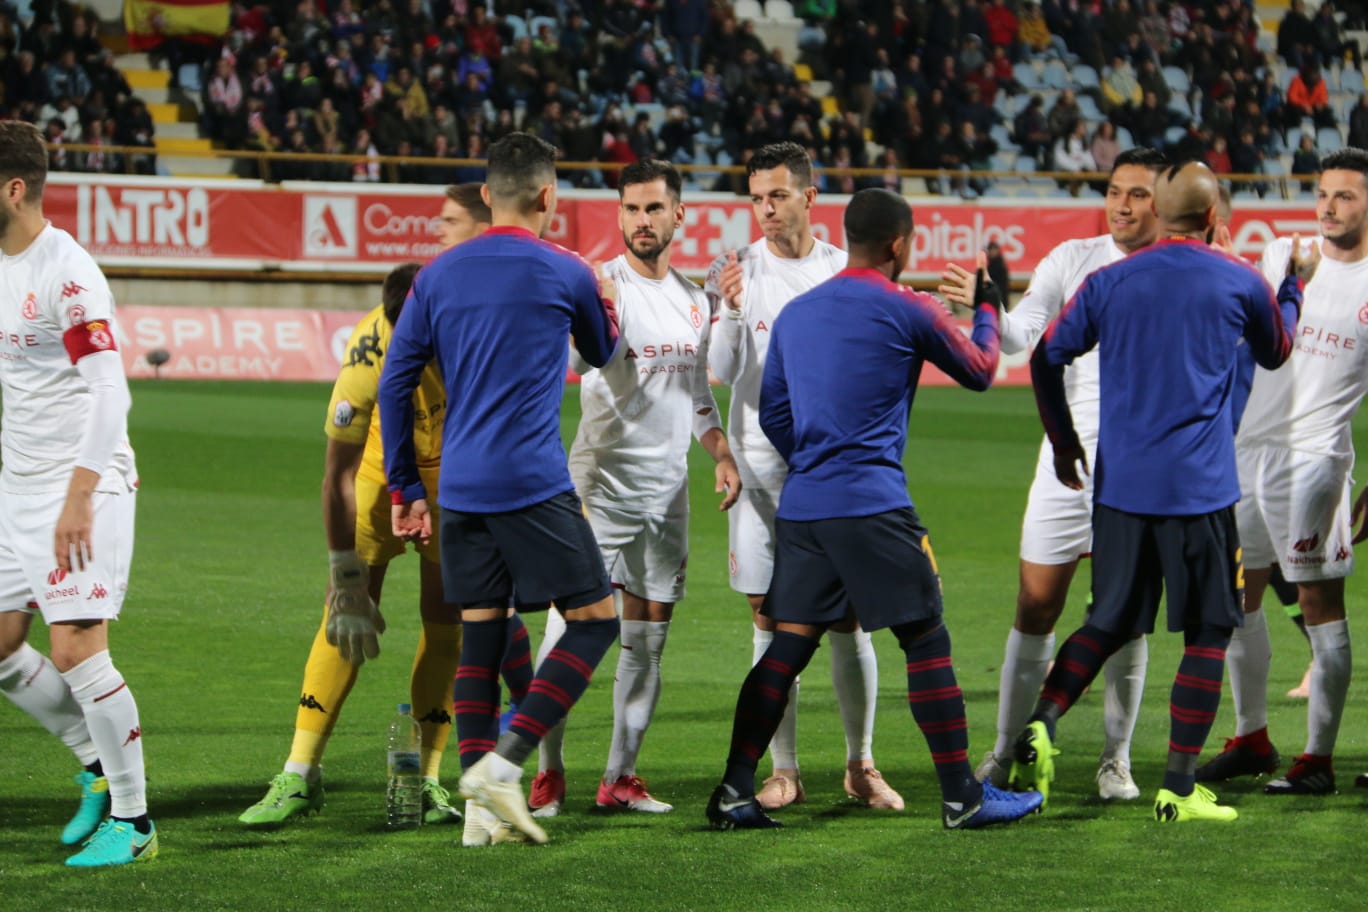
352 414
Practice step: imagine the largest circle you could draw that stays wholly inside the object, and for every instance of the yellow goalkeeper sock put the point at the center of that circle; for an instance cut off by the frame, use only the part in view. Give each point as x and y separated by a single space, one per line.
434 667
328 678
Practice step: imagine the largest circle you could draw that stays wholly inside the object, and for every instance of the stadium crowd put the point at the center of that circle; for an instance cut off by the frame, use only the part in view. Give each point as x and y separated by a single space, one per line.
979 85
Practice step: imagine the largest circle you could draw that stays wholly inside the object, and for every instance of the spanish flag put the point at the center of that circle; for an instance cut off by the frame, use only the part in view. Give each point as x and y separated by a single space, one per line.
150 22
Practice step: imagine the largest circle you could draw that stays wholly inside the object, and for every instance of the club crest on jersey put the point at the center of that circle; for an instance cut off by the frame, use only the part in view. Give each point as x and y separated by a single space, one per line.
343 414
76 314
99 336
1363 314
71 290
695 316
30 309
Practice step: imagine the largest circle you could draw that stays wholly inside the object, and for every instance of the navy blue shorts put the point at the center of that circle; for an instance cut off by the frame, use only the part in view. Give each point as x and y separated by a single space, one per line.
1195 561
880 567
546 552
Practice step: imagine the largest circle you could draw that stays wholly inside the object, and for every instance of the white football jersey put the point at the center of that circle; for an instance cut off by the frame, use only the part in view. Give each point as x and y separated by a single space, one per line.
739 346
1309 402
641 408
1053 284
52 287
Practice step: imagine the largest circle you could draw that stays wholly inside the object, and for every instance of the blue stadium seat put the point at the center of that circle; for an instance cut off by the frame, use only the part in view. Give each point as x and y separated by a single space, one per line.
1056 75
1124 139
1087 107
1026 74
1177 79
1085 77
999 135
1329 139
517 25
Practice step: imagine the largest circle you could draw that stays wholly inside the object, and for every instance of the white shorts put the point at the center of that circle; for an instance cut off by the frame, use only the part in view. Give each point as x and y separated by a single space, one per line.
29 578
1296 512
645 553
750 527
1057 527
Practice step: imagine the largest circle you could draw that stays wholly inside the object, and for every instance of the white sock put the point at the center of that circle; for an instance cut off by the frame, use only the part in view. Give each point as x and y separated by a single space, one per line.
1330 673
855 676
112 717
33 683
310 773
783 748
503 770
1125 679
1023 672
1247 660
551 751
636 690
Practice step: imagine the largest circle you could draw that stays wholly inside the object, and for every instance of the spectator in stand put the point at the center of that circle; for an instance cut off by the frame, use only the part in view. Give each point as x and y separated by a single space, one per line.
1297 38
519 76
979 149
1306 160
65 112
1151 79
1119 23
403 86
1064 115
1330 41
1245 158
303 89
1154 31
1033 34
26 83
474 63
1071 154
1308 96
984 79
67 77
1002 25
1217 157
366 166
54 136
224 117
1104 147
98 160
1358 123
136 129
1031 129
1121 93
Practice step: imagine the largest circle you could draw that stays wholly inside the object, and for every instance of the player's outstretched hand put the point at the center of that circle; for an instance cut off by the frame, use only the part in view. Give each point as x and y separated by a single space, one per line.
728 483
354 622
1303 261
985 290
957 285
411 521
1067 461
730 282
1359 518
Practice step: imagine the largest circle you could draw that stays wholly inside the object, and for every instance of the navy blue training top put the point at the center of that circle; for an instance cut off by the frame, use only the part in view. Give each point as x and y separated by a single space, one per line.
496 313
1167 321
842 370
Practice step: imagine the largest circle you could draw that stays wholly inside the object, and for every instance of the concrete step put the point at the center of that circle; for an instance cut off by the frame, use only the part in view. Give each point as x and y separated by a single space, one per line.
131 61
168 112
191 167
139 80
178 130
170 145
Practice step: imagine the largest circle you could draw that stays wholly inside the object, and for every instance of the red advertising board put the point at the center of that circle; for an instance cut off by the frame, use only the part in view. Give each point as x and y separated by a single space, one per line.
369 228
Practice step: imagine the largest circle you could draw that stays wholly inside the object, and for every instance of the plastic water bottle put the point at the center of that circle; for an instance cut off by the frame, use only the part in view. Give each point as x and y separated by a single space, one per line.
404 793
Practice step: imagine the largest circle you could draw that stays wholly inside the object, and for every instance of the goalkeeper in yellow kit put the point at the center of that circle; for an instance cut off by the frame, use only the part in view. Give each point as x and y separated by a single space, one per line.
356 518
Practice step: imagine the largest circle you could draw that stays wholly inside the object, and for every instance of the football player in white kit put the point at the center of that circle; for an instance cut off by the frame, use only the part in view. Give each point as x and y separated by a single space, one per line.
1056 530
747 289
67 489
629 462
1296 453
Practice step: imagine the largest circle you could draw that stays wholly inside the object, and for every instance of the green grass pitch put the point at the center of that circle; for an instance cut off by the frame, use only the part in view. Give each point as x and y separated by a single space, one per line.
227 591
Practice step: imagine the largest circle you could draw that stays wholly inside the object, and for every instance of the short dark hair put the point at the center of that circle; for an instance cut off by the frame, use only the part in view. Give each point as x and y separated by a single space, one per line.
396 289
649 171
1143 156
787 154
876 216
23 155
1347 159
519 165
468 197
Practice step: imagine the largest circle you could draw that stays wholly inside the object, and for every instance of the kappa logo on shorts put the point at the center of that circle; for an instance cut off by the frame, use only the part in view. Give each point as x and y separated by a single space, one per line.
56 576
1342 554
309 702
731 562
133 735
1303 545
98 591
437 717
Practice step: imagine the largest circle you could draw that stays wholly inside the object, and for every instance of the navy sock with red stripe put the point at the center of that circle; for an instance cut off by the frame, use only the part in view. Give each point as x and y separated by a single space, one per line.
760 706
1078 662
937 703
476 691
560 681
517 661
1193 703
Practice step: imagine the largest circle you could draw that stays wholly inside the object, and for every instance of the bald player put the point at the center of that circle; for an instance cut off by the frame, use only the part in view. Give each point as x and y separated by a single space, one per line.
1166 483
